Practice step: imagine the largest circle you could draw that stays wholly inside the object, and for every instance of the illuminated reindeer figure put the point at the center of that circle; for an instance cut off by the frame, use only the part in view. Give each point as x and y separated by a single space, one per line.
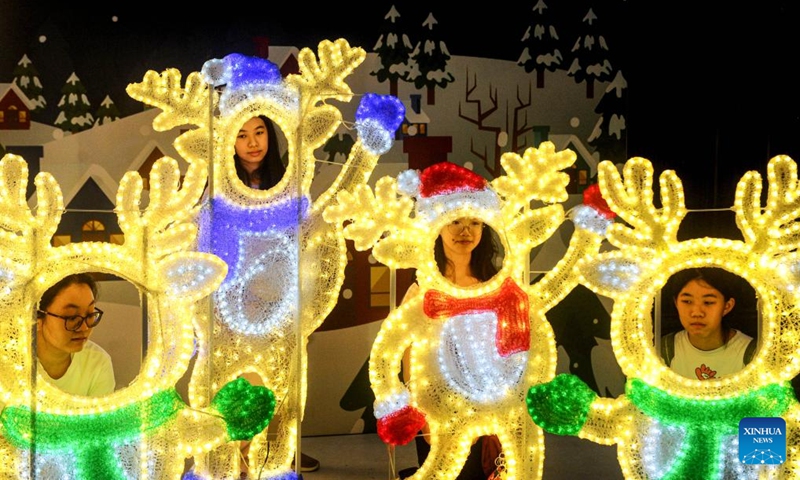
285 263
666 426
143 430
463 383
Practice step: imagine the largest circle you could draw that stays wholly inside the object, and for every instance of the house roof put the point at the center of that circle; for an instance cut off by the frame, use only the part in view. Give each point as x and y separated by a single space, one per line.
106 152
414 117
564 140
6 87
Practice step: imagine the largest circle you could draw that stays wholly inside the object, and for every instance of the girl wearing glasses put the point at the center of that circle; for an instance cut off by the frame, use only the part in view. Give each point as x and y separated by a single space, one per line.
65 320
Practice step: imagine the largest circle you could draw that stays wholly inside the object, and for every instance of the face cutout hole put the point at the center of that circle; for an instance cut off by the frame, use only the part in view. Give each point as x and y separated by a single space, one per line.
258 147
703 310
468 252
92 361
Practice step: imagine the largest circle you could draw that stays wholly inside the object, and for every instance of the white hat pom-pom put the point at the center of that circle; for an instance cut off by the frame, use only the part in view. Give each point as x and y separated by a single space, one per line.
215 72
408 183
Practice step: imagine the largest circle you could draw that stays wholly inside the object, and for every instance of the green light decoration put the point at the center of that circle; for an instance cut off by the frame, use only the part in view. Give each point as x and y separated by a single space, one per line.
560 406
90 438
706 421
247 409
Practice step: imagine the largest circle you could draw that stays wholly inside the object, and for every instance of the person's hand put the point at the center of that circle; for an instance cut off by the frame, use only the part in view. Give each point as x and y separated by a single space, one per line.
400 427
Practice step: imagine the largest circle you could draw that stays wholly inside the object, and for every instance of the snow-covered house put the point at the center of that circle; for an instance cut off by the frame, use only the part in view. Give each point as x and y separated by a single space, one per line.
15 108
89 166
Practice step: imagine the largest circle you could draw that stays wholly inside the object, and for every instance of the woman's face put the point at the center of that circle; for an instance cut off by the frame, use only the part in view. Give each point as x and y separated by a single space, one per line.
701 308
252 143
74 299
461 236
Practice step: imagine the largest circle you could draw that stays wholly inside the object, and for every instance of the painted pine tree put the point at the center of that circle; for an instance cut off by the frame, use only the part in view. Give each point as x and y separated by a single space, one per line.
431 56
74 109
590 56
394 50
542 46
107 113
26 77
610 134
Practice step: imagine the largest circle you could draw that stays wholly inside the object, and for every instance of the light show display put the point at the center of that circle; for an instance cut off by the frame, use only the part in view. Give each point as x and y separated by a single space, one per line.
144 429
285 263
475 351
666 425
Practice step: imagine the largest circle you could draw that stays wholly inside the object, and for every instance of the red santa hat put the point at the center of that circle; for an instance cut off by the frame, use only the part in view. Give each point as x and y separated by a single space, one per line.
444 187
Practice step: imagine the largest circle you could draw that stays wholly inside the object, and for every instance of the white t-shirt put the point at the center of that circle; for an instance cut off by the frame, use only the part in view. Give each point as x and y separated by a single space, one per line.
697 364
90 374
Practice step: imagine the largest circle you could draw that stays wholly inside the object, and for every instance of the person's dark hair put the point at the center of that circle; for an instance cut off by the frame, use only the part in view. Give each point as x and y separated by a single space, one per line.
75 278
481 263
718 278
271 169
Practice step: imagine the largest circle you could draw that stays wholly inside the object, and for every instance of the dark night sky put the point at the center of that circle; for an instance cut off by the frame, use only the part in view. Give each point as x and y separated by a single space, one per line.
711 93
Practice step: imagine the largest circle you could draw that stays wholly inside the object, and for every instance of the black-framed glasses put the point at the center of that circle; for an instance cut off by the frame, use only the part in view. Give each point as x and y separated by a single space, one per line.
456 227
73 322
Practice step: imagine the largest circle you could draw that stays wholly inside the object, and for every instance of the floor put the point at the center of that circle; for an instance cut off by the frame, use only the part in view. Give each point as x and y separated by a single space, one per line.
365 457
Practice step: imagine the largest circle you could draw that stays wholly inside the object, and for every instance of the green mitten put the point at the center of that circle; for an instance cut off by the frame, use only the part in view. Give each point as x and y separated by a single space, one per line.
560 406
247 409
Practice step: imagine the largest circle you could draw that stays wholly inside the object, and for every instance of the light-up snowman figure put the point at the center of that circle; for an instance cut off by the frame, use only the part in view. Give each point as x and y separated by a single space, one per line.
143 430
474 349
285 263
667 426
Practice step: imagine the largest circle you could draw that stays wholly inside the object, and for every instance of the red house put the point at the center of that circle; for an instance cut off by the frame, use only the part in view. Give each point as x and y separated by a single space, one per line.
15 108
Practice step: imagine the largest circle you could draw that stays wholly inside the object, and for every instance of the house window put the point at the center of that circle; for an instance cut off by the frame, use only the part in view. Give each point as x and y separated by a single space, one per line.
23 116
117 238
379 286
93 231
61 240
2 116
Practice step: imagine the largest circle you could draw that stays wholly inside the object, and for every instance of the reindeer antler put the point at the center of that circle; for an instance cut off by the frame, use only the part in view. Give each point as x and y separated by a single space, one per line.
179 105
165 226
371 215
22 234
775 228
325 78
633 202
534 175
189 104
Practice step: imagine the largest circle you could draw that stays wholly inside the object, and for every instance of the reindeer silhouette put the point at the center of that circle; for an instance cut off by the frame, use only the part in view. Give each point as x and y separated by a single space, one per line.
667 426
143 430
463 384
285 263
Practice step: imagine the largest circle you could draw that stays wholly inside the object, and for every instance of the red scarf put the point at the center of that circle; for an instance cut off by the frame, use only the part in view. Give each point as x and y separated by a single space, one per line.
509 302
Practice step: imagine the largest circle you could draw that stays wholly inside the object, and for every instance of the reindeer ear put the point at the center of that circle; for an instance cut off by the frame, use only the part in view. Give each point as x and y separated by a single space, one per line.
192 275
320 124
398 252
610 274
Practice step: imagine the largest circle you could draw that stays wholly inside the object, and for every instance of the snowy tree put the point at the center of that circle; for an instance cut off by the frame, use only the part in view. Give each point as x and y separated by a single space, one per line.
26 77
107 113
74 108
590 56
430 62
394 50
542 46
609 136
